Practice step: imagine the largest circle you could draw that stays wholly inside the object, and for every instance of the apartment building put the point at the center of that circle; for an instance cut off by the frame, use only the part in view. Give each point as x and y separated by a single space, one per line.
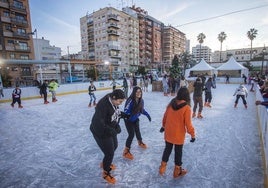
150 39
200 52
242 54
111 36
16 39
174 43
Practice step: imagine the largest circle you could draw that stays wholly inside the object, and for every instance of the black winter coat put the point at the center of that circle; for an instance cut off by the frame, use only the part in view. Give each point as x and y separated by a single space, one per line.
105 121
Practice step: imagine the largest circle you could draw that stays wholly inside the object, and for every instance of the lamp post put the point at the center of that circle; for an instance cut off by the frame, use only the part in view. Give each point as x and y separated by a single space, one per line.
37 54
263 53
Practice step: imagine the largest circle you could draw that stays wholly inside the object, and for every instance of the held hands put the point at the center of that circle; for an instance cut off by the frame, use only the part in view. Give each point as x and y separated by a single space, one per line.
124 115
192 140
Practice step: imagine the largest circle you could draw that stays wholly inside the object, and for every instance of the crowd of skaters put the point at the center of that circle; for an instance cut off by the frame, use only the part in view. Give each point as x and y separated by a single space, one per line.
105 132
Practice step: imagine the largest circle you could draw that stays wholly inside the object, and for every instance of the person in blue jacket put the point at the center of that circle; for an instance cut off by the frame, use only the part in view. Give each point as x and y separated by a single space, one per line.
134 107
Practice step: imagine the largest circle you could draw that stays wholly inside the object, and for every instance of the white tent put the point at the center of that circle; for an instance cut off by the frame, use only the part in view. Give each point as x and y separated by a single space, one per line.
201 68
232 68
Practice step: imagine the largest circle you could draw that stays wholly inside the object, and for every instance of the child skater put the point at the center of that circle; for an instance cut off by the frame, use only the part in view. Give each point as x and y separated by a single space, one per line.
242 92
16 94
134 107
176 122
91 93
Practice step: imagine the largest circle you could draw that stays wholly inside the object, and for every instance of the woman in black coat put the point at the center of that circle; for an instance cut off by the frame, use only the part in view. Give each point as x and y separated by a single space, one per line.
105 127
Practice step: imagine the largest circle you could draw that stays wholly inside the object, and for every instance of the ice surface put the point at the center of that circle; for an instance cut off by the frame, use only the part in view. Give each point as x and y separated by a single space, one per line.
51 146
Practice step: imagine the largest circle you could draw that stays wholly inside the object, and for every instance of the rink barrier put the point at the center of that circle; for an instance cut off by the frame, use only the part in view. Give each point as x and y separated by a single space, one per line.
64 89
262 114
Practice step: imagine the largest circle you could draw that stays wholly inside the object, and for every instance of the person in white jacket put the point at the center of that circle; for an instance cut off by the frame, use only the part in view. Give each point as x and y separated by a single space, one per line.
242 92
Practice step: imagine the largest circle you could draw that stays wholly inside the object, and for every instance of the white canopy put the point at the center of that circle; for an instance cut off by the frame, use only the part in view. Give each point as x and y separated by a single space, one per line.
233 68
201 68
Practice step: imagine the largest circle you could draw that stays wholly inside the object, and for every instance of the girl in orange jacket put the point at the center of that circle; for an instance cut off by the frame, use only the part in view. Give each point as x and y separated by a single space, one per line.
176 122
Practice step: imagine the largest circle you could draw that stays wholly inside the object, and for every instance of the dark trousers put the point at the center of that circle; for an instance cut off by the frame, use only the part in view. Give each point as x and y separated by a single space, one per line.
243 99
177 150
14 100
208 97
198 101
45 96
108 147
132 129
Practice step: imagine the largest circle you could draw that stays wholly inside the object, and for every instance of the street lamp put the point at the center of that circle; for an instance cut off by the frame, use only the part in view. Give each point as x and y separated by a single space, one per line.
263 53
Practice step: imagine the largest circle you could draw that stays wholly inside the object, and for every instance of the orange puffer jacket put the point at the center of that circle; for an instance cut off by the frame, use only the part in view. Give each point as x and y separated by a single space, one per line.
177 121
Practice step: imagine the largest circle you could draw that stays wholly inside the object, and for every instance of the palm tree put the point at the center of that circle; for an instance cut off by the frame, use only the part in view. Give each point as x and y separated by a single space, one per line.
200 39
222 36
252 33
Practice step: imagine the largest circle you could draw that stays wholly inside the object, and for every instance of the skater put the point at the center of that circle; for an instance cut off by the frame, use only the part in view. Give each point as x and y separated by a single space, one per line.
176 122
105 127
208 95
197 97
43 91
125 87
1 90
16 94
134 107
91 93
242 92
53 85
165 85
114 84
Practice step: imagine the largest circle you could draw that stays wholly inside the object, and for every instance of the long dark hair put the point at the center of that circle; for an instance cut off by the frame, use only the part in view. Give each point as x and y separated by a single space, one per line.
137 104
183 94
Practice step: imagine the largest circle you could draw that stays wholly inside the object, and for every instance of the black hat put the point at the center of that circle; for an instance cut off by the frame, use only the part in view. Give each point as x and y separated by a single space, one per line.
117 94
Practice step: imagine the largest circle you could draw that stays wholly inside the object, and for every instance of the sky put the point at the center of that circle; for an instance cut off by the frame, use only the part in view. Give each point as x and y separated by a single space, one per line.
59 21
51 145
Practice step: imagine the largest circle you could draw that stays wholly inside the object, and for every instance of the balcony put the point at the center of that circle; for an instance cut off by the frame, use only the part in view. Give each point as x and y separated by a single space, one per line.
21 35
17 8
111 32
23 49
112 17
4 4
19 22
113 25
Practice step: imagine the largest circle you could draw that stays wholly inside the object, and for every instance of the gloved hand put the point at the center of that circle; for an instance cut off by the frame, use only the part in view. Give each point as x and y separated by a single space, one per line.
149 118
192 140
162 129
124 115
118 128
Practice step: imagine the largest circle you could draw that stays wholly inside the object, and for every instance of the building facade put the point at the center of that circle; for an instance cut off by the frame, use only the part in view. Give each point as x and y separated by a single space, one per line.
174 43
200 52
16 41
242 54
109 35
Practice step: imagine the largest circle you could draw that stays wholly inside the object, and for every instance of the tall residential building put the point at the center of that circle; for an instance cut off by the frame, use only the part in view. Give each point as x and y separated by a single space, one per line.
16 42
203 52
15 30
174 43
44 51
150 39
110 35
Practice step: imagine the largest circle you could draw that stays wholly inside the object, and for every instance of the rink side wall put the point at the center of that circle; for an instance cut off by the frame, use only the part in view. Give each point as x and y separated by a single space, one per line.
64 89
263 126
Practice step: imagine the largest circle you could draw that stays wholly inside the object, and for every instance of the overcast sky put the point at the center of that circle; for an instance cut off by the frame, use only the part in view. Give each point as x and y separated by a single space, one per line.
59 21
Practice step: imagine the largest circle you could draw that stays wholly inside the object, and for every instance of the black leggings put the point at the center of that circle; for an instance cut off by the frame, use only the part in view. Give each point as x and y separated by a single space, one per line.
108 147
243 99
132 129
178 153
